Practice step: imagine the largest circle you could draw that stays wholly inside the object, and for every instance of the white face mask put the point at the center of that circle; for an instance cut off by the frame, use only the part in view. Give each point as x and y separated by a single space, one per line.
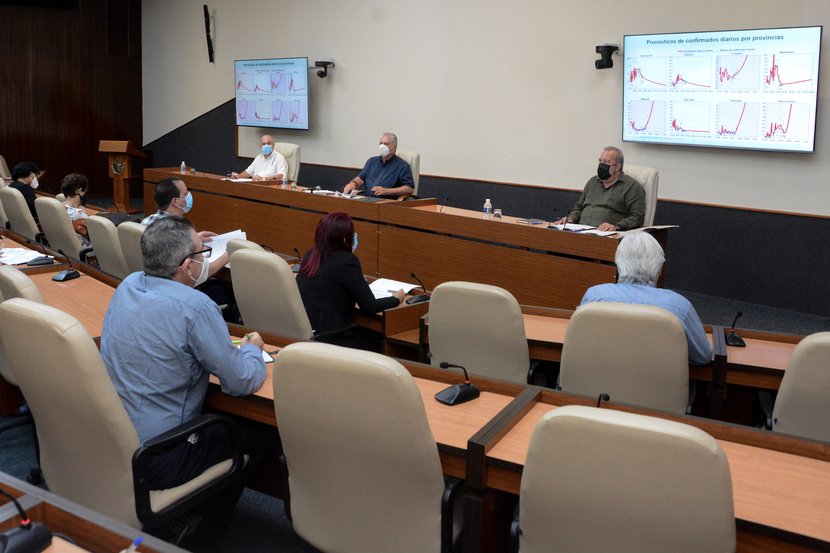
203 274
384 150
34 183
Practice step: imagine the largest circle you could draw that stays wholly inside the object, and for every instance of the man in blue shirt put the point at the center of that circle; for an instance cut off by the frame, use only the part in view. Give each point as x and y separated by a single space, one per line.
161 341
639 261
384 175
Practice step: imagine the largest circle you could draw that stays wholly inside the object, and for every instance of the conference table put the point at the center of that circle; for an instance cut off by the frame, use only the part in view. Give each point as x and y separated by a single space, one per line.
781 483
538 265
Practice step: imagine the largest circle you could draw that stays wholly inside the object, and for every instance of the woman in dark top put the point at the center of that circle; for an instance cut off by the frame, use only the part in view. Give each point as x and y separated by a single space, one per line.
331 281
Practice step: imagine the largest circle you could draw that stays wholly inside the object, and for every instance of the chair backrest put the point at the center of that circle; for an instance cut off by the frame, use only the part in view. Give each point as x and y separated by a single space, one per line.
605 480
648 177
60 197
86 438
104 237
636 353
267 295
291 153
129 235
240 244
414 161
17 211
803 403
371 440
3 218
57 227
479 327
14 283
5 174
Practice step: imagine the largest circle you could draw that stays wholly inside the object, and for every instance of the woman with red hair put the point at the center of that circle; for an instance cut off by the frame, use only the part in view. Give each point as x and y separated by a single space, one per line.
331 281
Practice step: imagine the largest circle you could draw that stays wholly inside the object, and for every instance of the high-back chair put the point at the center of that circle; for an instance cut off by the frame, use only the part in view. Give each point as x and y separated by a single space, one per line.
267 295
803 403
129 235
104 237
600 480
88 445
480 327
17 211
291 153
636 353
414 161
58 228
240 244
3 219
649 178
353 428
14 283
5 174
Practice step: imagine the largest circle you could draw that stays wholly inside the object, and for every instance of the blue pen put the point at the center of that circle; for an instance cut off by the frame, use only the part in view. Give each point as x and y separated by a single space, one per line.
135 545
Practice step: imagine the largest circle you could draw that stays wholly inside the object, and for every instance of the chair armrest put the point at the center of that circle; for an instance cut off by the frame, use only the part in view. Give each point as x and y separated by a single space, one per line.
451 487
766 402
531 371
168 440
84 254
321 336
515 532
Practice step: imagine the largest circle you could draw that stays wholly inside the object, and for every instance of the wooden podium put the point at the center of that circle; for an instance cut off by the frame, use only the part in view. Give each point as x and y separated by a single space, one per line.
120 168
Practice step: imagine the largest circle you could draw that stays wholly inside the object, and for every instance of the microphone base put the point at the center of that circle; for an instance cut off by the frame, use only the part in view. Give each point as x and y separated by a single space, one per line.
42 260
420 298
22 540
732 339
458 394
68 274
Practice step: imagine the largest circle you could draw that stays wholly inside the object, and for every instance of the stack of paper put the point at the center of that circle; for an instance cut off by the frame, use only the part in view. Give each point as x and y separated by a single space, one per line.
385 287
219 243
18 256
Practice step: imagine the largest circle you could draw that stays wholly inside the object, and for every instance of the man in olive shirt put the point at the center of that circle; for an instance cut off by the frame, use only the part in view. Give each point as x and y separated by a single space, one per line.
611 199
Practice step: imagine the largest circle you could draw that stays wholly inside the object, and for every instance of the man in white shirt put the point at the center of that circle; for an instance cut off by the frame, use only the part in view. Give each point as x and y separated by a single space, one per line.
269 165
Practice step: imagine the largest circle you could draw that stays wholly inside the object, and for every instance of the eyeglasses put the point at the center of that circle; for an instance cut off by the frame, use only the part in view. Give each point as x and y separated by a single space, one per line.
205 252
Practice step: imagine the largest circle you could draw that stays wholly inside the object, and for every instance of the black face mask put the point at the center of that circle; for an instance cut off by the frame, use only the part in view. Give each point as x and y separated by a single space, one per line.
604 171
83 199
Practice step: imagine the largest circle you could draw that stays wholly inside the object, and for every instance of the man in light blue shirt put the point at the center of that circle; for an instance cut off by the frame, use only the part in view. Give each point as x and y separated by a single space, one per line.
639 260
162 340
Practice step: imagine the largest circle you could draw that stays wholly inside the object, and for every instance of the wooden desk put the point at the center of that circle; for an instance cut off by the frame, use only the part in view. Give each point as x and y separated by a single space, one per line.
762 363
90 530
85 298
781 493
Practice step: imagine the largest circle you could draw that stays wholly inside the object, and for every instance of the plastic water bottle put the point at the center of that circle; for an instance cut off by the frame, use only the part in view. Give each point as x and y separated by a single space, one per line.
488 209
183 168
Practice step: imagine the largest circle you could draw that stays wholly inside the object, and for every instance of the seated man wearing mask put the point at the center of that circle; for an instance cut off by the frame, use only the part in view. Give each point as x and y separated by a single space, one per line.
269 165
385 175
639 260
611 199
24 179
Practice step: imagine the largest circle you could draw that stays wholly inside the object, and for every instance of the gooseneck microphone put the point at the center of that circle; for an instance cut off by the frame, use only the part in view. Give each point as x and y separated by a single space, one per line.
68 274
299 256
29 536
420 298
733 338
457 393
602 397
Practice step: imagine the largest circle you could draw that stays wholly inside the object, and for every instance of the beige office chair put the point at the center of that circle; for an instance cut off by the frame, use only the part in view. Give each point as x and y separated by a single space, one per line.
479 327
17 211
60 197
104 237
58 228
649 178
3 219
636 353
363 469
598 480
267 296
802 407
14 283
129 236
5 174
414 161
240 244
88 443
291 153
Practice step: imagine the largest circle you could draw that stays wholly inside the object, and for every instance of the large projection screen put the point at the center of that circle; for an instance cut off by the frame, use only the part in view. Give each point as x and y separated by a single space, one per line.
272 93
753 89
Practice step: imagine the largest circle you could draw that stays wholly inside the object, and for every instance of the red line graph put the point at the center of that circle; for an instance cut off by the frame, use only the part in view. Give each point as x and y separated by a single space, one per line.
291 85
644 127
278 116
678 127
679 79
241 86
725 75
242 112
275 85
775 75
637 72
724 131
295 114
257 87
775 127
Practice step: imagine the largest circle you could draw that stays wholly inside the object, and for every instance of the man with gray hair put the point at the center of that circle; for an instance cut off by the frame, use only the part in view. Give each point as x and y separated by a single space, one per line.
385 175
162 340
639 261
611 199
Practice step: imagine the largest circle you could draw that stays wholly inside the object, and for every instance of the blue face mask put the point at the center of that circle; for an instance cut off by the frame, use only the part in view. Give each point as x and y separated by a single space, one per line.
354 243
267 149
188 202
